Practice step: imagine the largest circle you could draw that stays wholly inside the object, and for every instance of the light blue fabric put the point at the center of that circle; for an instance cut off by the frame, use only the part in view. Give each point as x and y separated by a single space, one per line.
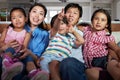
77 53
47 58
39 40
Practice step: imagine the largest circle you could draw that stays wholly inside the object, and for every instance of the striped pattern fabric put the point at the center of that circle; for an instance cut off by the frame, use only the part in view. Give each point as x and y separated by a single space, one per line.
95 44
60 45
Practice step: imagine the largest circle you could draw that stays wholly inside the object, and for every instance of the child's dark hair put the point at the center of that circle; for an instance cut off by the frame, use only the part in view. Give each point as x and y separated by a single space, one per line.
65 20
74 5
53 20
43 25
55 17
108 18
84 24
14 9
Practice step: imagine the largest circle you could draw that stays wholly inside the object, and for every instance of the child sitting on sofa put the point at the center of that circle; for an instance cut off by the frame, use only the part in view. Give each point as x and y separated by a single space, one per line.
97 42
60 44
16 32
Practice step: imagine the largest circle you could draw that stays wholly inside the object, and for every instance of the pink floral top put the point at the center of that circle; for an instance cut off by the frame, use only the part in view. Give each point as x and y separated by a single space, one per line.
95 44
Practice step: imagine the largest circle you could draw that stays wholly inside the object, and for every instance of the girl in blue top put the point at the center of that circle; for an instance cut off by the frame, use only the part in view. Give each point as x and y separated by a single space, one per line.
38 42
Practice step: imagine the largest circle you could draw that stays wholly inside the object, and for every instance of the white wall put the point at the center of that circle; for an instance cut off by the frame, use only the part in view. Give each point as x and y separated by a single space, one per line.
118 10
86 13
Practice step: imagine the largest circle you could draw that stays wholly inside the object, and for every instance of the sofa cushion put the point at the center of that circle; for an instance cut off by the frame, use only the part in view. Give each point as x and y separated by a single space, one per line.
117 36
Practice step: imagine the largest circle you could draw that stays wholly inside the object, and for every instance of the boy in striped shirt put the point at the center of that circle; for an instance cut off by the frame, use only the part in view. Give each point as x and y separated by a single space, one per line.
61 43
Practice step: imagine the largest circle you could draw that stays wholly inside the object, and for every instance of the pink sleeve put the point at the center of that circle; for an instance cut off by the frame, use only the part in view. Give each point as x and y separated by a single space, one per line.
110 38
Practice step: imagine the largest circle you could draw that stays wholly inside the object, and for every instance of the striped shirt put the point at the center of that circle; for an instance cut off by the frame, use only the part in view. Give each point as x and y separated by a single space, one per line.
60 45
95 44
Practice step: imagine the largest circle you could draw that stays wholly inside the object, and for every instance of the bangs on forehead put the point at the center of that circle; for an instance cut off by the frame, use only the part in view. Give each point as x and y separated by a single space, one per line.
37 8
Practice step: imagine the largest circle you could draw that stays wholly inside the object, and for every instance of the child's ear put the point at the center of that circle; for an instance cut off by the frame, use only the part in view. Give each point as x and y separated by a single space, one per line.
106 26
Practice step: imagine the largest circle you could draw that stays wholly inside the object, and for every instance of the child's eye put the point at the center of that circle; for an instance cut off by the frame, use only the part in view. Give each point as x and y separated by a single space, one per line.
20 16
41 14
34 11
75 12
103 20
13 18
96 18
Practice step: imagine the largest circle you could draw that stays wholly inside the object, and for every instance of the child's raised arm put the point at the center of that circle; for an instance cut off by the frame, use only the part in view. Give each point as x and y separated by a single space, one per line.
55 23
79 39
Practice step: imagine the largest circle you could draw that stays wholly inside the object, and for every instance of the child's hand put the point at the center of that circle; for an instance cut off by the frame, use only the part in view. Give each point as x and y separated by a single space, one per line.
25 52
61 14
71 29
38 62
13 44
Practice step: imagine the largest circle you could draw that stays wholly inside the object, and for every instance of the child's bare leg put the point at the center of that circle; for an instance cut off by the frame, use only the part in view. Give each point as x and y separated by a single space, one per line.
92 73
30 66
113 68
54 70
35 74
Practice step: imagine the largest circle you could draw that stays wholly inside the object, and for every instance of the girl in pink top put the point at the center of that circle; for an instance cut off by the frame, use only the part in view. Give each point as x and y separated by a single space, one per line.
13 35
98 40
15 31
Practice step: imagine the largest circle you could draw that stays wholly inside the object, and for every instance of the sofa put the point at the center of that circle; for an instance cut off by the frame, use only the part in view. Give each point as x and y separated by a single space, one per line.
116 31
